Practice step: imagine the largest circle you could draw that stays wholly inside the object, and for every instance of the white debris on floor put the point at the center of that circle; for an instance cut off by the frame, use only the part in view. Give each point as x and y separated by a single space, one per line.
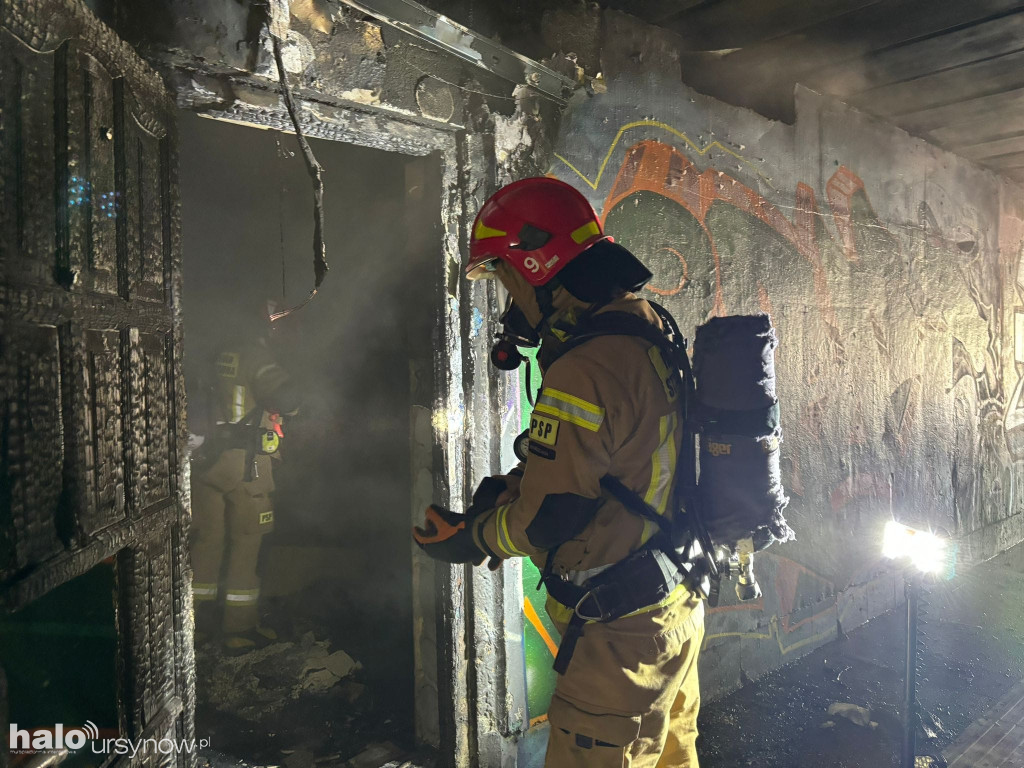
259 683
855 714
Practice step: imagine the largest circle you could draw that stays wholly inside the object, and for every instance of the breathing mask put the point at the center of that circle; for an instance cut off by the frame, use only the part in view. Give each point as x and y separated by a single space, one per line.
516 332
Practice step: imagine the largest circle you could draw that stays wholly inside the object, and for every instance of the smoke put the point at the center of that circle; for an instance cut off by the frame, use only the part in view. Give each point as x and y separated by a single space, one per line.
247 228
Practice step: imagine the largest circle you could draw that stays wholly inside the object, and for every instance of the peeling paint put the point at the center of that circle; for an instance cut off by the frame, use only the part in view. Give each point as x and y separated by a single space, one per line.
296 52
361 96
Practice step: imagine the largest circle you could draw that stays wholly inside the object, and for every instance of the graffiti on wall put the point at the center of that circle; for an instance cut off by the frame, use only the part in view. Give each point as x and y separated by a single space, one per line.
890 362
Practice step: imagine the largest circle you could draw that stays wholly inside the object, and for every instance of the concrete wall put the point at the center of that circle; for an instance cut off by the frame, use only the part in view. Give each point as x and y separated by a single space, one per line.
890 270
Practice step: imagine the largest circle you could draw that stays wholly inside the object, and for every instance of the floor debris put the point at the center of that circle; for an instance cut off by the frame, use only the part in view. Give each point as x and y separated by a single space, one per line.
326 694
375 756
972 658
853 713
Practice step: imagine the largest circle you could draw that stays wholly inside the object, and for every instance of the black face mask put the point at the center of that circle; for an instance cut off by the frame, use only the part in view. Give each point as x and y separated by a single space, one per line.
516 332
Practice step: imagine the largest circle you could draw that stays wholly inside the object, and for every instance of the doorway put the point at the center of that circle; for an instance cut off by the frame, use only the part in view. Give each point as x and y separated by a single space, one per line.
336 571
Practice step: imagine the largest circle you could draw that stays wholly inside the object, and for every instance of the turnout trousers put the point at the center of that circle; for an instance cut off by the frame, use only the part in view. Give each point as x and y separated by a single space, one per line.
630 695
230 516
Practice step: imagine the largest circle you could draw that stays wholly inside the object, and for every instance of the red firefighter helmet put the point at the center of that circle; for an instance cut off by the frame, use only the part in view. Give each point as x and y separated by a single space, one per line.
537 225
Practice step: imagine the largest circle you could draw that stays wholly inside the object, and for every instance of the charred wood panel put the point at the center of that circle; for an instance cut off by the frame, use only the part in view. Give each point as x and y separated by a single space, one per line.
146 623
87 170
139 171
102 432
144 573
91 396
31 446
28 162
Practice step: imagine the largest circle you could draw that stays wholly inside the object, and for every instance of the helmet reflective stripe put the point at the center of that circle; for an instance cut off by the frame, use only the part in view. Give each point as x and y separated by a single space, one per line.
237 403
242 596
482 232
584 233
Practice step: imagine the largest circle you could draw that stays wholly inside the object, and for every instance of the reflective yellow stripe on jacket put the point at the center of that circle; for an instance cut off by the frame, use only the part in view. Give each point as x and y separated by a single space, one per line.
570 408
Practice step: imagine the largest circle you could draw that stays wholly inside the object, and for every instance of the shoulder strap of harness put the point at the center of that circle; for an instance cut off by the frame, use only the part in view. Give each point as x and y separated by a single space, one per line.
672 344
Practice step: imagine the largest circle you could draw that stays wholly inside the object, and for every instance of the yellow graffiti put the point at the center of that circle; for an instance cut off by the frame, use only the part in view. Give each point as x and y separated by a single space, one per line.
665 127
773 631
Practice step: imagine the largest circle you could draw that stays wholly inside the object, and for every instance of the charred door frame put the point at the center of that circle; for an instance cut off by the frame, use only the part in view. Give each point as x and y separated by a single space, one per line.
475 707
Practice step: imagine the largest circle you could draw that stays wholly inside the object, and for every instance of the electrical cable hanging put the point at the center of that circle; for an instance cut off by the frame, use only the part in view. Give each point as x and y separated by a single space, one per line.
280 213
316 174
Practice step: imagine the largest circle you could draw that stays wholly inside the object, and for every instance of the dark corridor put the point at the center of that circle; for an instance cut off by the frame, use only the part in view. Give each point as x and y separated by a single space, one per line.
336 570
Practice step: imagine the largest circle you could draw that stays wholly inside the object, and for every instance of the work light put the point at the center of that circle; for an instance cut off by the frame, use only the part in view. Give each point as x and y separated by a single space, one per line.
932 556
928 552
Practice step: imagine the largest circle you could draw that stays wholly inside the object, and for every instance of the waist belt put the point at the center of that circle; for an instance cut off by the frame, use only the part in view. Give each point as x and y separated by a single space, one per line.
643 579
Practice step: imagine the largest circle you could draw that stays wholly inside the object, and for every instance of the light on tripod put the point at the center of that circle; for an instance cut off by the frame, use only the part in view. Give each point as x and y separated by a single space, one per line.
929 553
932 556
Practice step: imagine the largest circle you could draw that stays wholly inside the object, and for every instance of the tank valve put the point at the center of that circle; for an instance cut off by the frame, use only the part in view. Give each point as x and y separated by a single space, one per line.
747 587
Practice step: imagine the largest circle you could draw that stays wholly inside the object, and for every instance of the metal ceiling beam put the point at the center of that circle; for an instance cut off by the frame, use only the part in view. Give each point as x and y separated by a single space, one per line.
421 22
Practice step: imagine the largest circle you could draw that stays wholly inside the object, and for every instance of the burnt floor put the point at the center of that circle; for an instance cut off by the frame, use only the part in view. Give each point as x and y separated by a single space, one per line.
972 694
329 694
973 666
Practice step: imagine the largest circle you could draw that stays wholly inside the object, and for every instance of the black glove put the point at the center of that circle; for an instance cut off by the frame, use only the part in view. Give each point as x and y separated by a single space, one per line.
448 536
486 495
485 498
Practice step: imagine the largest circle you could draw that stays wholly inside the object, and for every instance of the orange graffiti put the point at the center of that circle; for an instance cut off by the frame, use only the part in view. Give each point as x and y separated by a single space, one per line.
840 190
656 167
683 280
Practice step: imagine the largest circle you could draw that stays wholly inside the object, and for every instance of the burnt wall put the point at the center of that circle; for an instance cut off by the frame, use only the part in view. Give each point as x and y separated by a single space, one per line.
216 50
890 269
91 403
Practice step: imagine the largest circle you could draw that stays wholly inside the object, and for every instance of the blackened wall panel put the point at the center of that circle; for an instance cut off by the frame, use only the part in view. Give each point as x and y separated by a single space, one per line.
103 432
31 451
86 169
28 161
91 397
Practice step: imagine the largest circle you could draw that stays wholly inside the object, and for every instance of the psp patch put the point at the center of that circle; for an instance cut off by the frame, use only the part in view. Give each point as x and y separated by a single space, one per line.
266 517
543 430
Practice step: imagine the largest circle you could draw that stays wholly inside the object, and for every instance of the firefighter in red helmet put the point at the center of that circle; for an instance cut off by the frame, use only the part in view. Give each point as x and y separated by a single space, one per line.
588 502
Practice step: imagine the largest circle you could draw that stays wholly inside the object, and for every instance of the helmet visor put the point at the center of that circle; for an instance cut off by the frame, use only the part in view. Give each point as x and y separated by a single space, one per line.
483 270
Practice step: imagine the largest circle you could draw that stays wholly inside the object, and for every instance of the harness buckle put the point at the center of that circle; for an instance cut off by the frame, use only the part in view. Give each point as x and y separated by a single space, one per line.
602 615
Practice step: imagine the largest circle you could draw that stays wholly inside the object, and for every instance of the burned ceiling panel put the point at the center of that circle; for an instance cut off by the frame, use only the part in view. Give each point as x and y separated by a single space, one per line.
217 52
948 71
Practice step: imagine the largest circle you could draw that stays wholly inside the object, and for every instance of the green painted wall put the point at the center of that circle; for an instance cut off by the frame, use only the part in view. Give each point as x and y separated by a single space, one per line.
539 632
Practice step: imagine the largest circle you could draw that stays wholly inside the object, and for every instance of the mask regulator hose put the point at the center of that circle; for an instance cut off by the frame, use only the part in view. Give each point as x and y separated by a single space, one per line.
516 332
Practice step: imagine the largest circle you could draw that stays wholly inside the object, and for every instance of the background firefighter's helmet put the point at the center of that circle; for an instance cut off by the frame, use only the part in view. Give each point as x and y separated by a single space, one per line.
537 225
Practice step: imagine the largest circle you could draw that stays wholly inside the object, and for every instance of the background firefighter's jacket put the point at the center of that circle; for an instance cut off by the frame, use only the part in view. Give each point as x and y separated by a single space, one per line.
243 401
606 407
